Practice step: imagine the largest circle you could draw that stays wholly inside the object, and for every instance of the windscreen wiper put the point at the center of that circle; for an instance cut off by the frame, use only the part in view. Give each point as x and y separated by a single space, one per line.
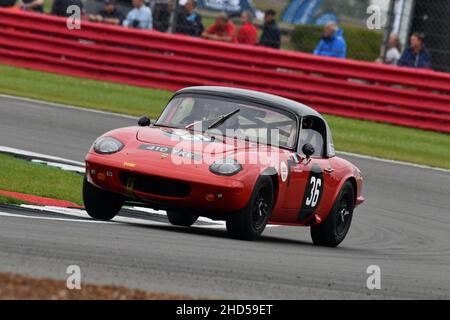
216 122
223 118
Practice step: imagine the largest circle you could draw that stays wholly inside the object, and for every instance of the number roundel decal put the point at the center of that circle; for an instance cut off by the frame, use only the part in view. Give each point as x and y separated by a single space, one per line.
313 192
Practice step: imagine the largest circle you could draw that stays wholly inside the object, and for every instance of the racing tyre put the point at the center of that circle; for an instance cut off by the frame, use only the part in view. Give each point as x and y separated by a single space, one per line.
184 219
332 231
100 204
249 223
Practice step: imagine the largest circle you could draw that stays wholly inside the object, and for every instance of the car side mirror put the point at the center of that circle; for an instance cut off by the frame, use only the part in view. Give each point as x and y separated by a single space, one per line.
308 150
144 121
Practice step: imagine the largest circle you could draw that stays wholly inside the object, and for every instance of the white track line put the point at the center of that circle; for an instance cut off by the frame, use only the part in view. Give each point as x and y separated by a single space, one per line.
31 154
163 213
409 164
59 105
5 214
65 167
404 163
78 213
83 214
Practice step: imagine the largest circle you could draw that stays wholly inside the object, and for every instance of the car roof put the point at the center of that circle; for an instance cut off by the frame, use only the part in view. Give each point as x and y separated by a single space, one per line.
295 107
255 96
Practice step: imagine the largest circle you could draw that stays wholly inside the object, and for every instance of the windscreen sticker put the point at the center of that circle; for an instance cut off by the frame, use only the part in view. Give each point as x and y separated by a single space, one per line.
186 136
284 171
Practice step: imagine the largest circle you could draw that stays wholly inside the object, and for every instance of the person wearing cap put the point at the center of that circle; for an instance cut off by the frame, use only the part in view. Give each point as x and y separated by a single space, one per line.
416 56
189 21
109 14
247 33
222 30
139 17
271 34
332 43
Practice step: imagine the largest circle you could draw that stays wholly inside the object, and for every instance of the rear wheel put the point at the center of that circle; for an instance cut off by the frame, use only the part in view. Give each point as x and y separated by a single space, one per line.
184 219
332 231
100 204
249 223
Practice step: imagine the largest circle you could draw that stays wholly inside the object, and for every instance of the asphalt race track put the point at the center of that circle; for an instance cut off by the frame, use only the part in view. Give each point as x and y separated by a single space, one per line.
403 227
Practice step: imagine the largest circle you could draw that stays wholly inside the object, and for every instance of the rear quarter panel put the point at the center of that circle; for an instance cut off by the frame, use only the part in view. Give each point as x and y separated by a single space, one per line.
343 171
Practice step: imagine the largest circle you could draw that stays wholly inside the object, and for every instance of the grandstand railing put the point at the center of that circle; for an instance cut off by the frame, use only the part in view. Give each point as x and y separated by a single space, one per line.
401 96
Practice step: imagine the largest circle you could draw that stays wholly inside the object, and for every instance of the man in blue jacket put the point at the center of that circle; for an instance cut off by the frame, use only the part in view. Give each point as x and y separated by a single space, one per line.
416 56
332 43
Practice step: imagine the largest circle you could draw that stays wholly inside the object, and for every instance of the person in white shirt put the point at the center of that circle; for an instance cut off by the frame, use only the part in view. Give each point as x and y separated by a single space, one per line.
393 51
140 17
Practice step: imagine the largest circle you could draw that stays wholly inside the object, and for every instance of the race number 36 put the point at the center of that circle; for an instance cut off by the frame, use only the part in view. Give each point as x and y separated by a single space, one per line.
313 193
313 198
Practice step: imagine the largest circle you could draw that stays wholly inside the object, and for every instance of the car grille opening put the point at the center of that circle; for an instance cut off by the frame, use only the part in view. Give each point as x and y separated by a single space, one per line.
156 185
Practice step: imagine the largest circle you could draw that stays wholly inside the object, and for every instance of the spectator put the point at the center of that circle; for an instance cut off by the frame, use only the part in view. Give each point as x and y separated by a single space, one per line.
416 56
247 33
222 30
271 35
59 7
109 14
140 17
8 4
161 16
332 43
32 5
393 51
189 21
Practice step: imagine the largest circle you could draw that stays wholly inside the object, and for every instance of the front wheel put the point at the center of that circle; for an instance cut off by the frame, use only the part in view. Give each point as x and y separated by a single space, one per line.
332 231
100 204
249 223
184 219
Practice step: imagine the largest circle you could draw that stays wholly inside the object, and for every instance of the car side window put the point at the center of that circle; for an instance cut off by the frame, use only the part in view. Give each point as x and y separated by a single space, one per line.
313 132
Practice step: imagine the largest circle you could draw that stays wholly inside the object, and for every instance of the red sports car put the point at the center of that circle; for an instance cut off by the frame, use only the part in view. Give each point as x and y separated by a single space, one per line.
245 157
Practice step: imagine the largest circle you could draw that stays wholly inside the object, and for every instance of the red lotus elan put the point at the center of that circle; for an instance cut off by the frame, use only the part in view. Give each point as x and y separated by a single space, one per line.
245 157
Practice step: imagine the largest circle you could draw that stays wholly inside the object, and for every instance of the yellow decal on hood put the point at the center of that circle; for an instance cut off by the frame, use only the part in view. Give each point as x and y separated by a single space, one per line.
129 164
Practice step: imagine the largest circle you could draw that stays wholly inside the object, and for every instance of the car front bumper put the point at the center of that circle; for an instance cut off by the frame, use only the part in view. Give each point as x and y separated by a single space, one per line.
162 188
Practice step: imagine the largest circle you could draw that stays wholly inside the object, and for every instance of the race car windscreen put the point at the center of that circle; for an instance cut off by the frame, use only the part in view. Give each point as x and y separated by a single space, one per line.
252 122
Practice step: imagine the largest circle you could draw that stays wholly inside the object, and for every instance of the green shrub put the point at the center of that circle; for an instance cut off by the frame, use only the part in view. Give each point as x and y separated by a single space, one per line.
362 44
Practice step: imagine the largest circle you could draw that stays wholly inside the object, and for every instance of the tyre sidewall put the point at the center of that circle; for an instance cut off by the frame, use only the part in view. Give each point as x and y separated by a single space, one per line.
100 204
241 224
325 233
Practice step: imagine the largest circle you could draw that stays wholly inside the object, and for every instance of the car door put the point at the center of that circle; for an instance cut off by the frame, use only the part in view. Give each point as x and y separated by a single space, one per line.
309 177
308 180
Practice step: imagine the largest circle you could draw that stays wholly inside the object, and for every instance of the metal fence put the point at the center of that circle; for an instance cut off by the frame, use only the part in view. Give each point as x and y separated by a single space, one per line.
366 26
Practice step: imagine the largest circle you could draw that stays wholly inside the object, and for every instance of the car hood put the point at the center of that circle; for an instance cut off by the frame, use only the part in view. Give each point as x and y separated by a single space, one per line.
191 141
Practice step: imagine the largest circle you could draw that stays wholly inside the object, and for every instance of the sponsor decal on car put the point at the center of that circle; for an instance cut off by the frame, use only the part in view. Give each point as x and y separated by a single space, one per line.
186 136
166 151
129 164
284 171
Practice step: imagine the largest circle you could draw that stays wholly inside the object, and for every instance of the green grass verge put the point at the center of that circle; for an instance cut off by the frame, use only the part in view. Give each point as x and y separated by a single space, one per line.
391 142
364 137
92 94
39 180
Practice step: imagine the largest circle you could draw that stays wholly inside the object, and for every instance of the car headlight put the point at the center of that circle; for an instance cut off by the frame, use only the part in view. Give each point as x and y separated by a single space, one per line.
225 167
108 145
